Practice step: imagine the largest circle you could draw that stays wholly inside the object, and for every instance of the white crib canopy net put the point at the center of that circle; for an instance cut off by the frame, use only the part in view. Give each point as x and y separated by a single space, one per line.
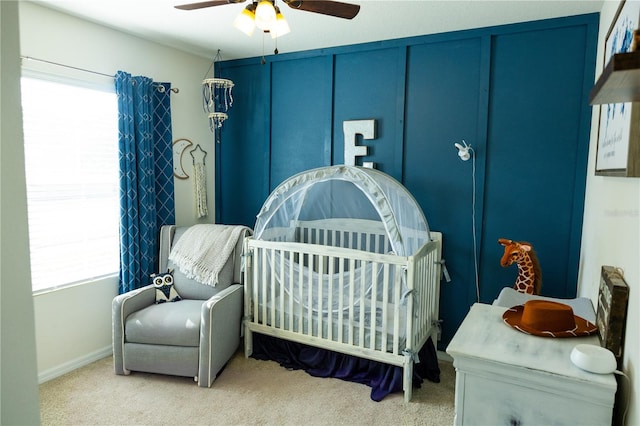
352 195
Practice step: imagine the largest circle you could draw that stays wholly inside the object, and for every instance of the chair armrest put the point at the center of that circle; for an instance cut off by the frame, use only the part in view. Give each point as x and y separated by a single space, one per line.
122 306
219 331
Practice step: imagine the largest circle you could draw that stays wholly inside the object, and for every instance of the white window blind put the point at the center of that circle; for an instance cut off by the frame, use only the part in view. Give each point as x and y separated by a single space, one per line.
71 163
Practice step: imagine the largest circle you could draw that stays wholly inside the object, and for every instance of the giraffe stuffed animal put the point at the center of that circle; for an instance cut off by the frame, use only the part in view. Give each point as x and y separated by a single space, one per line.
529 278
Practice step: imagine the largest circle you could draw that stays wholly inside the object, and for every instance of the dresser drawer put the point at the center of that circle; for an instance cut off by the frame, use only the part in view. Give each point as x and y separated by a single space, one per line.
486 401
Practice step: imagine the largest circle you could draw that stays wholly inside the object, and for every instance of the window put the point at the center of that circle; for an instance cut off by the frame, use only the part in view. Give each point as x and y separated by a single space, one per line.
71 164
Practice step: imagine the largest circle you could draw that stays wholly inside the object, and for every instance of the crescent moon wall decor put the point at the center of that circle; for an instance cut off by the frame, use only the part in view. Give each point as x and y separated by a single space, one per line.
179 146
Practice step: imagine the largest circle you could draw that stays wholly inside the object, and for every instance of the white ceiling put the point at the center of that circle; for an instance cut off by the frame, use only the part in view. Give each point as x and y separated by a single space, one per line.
204 31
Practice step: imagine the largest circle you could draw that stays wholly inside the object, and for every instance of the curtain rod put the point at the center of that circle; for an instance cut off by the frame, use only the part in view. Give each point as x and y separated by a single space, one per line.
30 58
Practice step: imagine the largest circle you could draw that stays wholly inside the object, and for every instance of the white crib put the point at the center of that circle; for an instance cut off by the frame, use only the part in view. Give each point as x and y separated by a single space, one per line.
338 288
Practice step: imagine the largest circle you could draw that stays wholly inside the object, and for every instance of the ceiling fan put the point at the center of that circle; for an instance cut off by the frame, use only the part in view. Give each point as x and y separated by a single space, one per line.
324 7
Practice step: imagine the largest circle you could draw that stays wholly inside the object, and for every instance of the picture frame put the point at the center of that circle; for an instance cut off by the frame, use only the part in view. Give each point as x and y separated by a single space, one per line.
611 310
618 148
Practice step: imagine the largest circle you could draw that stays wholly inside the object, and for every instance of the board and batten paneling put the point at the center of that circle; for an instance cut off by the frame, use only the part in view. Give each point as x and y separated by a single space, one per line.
242 154
301 93
537 152
446 103
517 93
370 85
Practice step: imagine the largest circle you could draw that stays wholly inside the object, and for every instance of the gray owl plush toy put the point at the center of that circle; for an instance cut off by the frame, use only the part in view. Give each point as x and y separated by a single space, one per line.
165 292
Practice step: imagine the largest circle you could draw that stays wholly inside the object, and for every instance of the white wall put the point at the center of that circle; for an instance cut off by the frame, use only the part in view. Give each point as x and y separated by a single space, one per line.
611 235
57 37
73 325
18 385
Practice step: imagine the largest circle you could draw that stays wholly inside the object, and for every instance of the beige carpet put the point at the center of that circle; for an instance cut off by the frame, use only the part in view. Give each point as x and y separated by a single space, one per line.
248 392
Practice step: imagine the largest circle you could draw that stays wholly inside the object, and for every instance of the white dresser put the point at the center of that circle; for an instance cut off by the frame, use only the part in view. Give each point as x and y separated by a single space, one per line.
504 377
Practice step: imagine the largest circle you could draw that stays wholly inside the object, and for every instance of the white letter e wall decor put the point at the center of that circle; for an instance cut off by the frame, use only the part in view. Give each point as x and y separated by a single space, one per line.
351 128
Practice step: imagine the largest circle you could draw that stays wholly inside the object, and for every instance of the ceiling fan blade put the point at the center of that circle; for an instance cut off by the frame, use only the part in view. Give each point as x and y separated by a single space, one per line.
326 7
203 4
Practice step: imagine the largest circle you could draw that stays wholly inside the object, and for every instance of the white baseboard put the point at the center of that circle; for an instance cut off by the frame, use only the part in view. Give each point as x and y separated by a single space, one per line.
443 356
74 364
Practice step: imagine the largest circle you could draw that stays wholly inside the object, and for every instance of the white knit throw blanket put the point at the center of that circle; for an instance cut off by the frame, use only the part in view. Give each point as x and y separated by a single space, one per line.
203 250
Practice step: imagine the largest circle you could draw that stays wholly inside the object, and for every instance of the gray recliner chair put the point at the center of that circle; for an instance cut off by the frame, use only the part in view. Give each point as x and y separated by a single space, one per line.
194 337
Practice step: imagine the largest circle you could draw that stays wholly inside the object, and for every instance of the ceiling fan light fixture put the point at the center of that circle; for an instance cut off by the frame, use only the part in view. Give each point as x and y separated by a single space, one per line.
281 27
245 21
265 15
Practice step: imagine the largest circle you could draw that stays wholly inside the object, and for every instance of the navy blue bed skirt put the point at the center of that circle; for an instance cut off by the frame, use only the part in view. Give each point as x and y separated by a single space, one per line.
383 379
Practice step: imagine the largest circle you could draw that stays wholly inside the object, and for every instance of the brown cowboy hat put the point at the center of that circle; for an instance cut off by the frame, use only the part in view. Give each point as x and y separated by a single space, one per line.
547 319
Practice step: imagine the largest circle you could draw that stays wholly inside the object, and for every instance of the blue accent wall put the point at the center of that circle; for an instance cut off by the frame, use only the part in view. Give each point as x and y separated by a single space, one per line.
446 103
242 160
517 93
301 93
369 85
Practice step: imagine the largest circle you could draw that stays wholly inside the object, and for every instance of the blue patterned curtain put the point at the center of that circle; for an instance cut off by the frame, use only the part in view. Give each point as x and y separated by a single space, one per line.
146 174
